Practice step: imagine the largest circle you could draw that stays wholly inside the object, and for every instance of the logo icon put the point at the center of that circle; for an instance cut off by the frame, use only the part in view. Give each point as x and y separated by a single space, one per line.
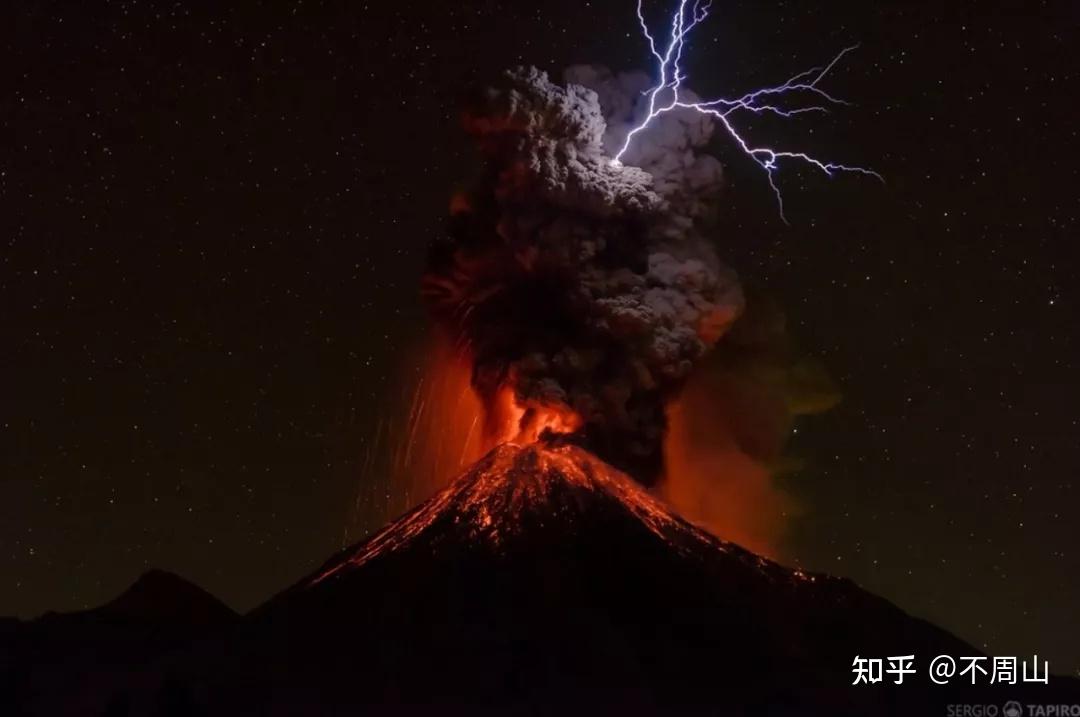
1013 709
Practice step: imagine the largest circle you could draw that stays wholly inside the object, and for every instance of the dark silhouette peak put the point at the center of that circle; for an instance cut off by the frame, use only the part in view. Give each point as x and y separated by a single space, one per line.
162 596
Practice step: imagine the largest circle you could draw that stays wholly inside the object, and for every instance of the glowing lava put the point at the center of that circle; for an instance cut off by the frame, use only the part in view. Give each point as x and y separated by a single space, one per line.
520 491
448 427
511 421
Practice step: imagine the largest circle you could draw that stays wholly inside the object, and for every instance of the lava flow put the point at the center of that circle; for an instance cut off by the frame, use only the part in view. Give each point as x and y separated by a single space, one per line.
522 490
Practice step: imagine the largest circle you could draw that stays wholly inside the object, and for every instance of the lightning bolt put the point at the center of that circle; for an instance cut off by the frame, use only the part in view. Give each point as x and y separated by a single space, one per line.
665 96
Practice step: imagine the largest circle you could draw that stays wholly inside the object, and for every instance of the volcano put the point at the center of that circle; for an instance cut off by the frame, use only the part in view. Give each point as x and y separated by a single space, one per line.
544 581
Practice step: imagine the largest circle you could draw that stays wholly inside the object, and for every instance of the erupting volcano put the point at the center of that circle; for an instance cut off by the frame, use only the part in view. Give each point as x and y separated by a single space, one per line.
582 292
513 493
544 581
541 581
550 576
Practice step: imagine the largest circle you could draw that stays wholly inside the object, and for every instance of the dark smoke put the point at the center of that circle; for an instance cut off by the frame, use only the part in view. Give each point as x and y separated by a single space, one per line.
669 150
576 283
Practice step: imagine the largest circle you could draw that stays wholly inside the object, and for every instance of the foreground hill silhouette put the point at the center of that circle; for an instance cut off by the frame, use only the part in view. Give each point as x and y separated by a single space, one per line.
543 581
91 662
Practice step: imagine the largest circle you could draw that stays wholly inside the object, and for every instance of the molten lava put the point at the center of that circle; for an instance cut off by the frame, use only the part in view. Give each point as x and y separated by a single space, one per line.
708 478
444 426
510 421
521 491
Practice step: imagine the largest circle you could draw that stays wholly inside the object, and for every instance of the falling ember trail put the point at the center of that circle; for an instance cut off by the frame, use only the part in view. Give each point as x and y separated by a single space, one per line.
666 96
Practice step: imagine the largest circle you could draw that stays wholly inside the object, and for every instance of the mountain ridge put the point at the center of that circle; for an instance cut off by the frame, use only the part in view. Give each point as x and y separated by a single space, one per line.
542 581
563 580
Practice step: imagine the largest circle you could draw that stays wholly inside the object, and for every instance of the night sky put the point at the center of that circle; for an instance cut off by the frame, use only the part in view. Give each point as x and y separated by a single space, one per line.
214 218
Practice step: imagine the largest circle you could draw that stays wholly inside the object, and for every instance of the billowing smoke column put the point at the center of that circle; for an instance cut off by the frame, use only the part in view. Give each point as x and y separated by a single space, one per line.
583 291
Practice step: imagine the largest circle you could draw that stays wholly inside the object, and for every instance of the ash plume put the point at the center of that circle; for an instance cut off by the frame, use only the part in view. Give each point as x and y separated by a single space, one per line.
670 151
581 287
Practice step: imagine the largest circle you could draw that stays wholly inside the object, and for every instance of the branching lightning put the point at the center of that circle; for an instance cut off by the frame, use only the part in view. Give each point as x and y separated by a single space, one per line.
666 96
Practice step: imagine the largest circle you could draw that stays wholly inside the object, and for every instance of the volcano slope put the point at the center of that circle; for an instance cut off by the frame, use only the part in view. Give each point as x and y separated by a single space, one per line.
545 582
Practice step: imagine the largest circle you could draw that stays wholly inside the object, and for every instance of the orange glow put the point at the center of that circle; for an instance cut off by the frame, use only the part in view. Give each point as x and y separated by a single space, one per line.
490 500
714 324
713 481
711 476
511 421
460 204
448 427
443 431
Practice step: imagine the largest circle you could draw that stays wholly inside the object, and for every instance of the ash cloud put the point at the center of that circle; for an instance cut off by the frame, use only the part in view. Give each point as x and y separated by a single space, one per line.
726 457
670 151
578 284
